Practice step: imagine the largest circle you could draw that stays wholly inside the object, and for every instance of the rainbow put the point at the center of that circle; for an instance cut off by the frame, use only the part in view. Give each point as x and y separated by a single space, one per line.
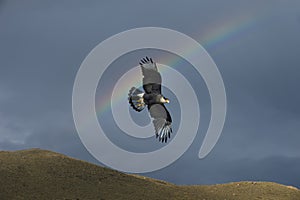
231 30
219 34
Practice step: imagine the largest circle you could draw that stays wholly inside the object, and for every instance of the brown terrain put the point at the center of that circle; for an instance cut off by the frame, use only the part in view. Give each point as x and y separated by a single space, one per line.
41 174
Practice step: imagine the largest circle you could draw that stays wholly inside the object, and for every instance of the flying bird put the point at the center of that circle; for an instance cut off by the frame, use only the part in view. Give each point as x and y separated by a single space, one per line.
153 99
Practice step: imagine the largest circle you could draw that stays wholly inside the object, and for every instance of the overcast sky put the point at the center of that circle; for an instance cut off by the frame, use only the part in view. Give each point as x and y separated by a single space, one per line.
255 45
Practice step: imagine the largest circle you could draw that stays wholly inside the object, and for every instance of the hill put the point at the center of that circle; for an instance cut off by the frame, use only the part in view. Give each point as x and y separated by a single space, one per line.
41 174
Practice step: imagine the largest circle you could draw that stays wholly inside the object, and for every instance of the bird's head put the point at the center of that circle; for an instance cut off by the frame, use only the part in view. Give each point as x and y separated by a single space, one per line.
164 100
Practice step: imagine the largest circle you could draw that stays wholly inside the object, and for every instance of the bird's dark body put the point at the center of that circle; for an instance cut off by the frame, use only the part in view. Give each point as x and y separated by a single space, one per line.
152 98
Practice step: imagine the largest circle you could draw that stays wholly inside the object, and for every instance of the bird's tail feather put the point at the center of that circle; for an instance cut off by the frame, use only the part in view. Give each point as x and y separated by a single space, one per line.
136 100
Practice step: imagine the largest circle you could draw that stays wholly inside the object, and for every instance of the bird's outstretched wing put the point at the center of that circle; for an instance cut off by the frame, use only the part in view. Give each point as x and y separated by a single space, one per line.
162 121
152 78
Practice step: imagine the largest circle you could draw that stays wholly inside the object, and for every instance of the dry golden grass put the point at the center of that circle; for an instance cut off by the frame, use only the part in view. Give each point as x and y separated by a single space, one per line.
40 174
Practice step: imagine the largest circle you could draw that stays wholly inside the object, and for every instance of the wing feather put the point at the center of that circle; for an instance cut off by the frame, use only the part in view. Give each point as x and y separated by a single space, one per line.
152 78
162 121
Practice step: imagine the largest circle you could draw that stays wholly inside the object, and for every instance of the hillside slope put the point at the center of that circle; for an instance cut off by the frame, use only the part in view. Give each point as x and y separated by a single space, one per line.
40 174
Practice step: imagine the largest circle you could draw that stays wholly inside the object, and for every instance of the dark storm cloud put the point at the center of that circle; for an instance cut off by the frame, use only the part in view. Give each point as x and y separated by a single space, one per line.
280 169
44 42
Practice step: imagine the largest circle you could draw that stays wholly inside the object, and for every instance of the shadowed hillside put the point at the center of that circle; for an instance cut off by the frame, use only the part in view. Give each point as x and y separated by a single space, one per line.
40 174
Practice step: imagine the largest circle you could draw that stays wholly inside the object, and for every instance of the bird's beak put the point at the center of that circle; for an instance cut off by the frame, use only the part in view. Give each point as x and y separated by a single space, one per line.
168 101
